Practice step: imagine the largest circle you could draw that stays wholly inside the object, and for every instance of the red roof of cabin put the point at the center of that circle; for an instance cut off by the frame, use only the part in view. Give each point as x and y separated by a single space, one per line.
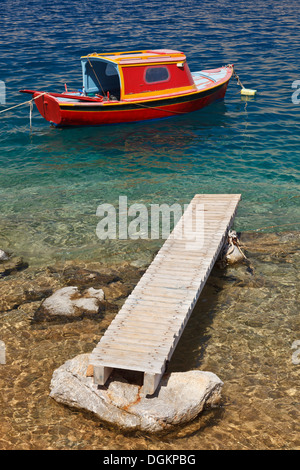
140 57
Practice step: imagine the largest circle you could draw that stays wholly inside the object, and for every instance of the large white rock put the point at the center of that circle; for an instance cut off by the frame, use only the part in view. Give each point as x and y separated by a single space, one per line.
180 397
69 302
3 256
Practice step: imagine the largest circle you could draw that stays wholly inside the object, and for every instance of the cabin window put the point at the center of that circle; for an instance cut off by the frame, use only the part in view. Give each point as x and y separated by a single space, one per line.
157 74
101 77
110 70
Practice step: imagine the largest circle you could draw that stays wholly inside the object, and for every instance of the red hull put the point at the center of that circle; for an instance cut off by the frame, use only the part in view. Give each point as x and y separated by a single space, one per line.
93 114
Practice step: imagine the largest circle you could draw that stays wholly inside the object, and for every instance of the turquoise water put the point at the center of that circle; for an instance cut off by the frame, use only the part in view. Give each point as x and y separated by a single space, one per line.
52 180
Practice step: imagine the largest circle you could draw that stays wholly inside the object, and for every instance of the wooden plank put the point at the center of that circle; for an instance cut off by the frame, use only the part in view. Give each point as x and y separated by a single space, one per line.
141 333
156 313
139 329
158 292
135 347
153 342
137 336
129 322
120 363
135 361
145 317
161 313
139 362
173 261
149 298
136 325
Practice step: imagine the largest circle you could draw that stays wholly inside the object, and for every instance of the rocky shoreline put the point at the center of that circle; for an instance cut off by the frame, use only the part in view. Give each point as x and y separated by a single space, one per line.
21 287
72 289
72 292
60 296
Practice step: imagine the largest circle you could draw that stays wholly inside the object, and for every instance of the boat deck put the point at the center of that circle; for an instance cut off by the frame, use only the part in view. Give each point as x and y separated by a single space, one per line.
145 332
208 78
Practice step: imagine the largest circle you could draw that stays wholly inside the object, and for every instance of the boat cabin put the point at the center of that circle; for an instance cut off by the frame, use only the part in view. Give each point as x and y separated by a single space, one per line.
136 74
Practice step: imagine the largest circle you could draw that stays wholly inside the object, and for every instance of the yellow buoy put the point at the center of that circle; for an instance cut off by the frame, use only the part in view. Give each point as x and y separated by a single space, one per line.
248 92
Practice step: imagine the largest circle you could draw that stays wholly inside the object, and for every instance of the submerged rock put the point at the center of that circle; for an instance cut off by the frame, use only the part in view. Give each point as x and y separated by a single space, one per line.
21 290
11 264
231 252
78 276
70 302
116 290
3 256
180 397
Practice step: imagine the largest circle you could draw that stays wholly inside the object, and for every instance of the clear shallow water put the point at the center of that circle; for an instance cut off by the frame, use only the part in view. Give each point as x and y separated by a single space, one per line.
52 181
242 329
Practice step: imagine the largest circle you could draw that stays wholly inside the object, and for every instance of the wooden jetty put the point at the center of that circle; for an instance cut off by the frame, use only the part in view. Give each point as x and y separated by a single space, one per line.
144 334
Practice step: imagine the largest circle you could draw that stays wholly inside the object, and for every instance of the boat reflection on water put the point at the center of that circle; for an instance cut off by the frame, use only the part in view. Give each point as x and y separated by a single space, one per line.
155 142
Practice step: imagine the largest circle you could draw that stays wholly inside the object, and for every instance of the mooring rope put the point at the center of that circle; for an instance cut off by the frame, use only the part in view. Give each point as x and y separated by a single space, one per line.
25 102
237 78
30 102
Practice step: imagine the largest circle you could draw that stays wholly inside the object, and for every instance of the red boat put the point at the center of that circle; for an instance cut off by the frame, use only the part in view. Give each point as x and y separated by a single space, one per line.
133 86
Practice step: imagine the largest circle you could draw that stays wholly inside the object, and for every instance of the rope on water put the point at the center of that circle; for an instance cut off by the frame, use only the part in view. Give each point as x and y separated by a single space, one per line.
30 102
21 104
244 91
237 78
30 113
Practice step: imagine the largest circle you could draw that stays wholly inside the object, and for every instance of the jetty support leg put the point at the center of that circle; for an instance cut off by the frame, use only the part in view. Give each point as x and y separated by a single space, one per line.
2 353
101 374
151 382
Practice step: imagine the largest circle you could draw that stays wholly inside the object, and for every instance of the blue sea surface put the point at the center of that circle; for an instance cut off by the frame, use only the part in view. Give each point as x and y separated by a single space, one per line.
245 326
52 180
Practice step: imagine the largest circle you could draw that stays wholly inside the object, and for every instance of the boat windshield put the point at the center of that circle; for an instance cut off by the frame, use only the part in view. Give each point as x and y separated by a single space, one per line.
100 77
